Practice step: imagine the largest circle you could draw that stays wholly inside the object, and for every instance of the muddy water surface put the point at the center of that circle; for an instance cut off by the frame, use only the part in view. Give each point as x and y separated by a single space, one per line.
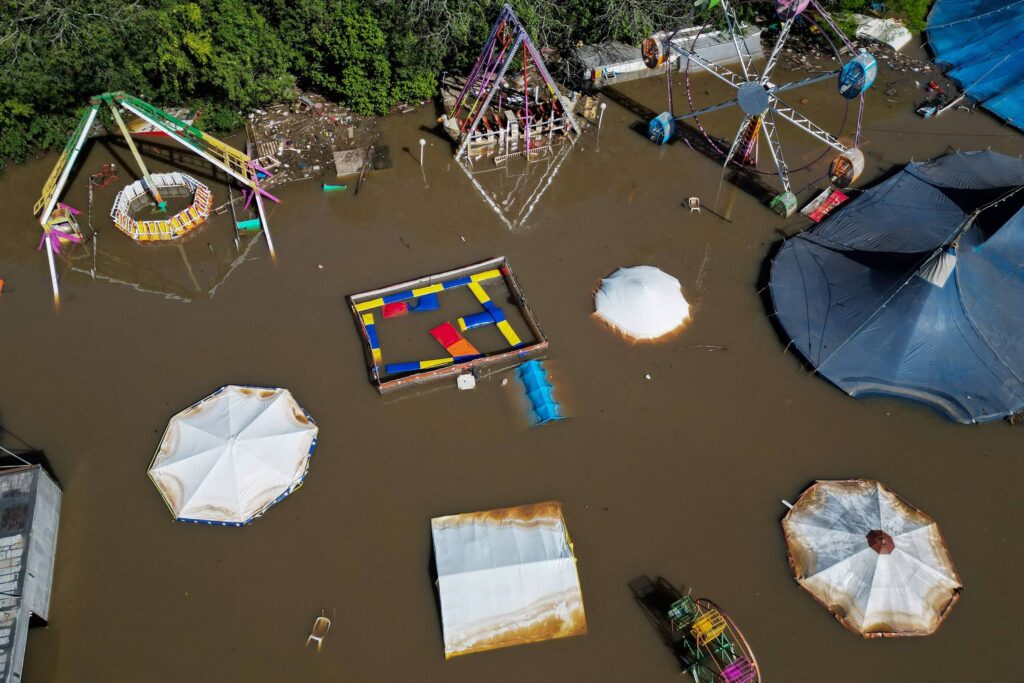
680 474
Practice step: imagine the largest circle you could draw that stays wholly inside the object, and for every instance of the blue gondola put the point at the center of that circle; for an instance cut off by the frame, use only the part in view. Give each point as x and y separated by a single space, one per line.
857 75
661 128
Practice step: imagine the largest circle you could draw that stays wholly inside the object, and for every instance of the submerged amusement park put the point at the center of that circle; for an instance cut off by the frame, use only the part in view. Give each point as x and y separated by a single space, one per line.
472 341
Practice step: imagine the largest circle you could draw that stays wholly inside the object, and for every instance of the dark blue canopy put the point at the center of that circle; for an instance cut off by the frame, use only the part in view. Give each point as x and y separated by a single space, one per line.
916 289
982 44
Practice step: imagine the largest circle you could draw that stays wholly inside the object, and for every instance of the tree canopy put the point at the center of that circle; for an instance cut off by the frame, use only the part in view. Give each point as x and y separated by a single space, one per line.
228 56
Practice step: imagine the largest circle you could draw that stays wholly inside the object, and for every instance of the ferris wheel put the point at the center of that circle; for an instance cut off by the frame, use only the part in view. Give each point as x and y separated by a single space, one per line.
759 98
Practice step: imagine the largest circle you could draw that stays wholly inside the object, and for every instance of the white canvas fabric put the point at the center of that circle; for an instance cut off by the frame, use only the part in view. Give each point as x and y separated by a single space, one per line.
228 458
506 577
642 302
903 586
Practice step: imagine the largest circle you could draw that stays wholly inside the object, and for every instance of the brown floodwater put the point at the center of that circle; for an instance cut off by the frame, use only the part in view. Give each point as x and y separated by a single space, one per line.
680 474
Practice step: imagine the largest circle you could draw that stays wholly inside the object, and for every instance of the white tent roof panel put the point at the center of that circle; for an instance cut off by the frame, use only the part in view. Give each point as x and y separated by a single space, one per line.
228 458
506 577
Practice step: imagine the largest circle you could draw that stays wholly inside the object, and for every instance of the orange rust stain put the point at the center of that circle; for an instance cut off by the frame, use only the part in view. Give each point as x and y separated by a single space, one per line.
267 393
548 627
527 515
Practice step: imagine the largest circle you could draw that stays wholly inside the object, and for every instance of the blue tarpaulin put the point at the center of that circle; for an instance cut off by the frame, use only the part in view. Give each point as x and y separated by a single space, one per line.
916 288
981 43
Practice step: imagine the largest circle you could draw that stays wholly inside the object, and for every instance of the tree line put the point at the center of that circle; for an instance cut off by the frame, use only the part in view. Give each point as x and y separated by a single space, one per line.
226 57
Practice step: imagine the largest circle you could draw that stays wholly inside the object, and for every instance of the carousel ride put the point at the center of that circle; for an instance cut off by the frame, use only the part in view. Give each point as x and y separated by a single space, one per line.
708 644
760 99
151 191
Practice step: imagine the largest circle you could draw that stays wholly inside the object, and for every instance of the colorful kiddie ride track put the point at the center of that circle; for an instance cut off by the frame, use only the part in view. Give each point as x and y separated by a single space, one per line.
709 646
58 220
759 98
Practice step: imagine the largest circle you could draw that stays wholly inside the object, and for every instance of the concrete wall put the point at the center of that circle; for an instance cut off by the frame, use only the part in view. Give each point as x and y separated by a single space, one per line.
29 519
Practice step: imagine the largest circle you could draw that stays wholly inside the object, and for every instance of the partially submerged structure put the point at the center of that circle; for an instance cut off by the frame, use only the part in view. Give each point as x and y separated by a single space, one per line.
58 220
705 640
29 519
504 116
876 562
611 63
914 290
980 43
506 577
759 98
439 308
228 458
510 123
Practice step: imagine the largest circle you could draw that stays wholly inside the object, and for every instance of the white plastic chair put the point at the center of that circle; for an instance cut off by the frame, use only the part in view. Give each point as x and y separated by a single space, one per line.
320 628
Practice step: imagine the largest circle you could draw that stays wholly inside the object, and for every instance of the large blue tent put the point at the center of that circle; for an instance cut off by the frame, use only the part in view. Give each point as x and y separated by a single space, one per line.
981 43
916 289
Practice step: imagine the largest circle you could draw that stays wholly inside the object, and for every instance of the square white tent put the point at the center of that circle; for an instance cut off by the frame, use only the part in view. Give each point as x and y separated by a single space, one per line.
506 577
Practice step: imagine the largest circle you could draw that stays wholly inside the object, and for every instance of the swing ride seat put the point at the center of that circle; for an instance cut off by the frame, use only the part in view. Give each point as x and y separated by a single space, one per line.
708 626
177 226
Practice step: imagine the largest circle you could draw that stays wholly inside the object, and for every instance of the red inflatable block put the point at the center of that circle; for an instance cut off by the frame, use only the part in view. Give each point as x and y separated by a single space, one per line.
393 310
448 337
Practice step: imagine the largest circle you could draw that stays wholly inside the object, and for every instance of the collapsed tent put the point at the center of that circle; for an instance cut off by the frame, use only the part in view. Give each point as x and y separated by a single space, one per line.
228 458
506 577
876 562
641 302
915 289
982 45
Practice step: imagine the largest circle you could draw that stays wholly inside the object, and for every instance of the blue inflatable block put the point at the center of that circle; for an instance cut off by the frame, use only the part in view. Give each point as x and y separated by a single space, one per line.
371 334
427 302
392 368
495 312
547 413
531 368
457 282
540 396
400 296
533 384
539 392
477 320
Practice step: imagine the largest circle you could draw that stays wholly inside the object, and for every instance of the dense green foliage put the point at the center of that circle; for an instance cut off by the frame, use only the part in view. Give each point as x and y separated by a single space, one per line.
912 12
228 56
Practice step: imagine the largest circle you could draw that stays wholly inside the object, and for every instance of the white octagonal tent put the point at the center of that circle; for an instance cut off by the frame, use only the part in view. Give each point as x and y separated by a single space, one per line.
232 455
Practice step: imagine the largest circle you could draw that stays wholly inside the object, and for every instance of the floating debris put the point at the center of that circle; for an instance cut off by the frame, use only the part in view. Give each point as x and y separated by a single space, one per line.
299 140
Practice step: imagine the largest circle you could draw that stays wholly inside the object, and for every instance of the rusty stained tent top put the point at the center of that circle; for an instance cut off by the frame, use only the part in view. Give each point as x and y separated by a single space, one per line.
506 577
876 562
